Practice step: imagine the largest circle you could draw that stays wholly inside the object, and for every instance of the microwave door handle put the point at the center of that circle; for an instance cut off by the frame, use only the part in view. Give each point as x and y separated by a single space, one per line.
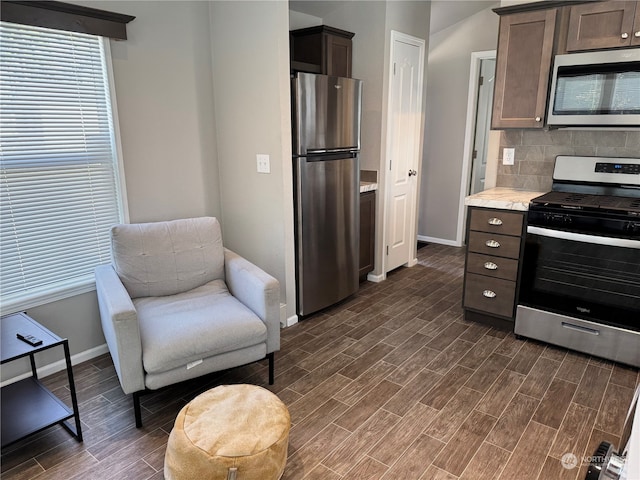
581 237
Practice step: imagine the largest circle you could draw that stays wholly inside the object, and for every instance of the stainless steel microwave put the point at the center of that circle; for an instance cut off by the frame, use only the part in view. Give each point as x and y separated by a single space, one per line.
596 89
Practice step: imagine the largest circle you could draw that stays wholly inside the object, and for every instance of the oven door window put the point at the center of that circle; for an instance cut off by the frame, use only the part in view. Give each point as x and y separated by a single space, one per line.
596 282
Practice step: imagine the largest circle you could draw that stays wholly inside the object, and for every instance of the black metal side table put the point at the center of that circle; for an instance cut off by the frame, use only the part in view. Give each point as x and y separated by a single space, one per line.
27 405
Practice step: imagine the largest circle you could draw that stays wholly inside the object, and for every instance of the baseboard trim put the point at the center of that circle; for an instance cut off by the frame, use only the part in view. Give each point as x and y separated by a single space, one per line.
376 278
60 365
292 320
441 241
413 262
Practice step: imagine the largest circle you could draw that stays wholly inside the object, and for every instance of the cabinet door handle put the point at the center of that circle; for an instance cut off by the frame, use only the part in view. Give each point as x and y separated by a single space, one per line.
489 294
625 35
538 119
492 244
490 266
637 34
495 221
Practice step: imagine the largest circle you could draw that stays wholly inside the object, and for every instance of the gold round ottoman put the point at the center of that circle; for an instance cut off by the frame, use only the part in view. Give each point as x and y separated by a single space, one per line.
229 432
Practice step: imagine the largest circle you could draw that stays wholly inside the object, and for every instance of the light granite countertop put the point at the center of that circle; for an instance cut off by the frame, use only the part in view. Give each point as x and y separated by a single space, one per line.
503 198
368 180
368 186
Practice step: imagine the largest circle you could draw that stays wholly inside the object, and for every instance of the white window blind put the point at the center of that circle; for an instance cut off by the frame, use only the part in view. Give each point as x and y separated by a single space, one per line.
58 164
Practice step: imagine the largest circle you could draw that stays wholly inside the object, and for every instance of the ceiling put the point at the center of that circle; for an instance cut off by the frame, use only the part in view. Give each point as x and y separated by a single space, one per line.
444 13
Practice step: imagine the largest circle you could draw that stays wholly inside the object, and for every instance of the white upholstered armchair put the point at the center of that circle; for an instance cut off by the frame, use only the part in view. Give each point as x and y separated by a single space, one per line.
176 305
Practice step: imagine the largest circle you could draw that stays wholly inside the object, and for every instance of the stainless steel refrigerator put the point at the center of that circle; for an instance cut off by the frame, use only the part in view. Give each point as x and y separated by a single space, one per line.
326 165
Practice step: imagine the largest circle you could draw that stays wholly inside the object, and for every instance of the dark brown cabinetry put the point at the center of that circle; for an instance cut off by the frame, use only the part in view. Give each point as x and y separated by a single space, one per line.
367 233
494 246
598 25
525 49
321 49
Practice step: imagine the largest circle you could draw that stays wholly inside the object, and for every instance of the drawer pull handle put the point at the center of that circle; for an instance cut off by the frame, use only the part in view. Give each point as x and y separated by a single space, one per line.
492 244
495 221
490 266
580 328
489 294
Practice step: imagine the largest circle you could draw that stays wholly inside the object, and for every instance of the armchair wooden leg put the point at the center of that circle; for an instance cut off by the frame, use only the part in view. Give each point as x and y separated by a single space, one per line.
271 357
136 409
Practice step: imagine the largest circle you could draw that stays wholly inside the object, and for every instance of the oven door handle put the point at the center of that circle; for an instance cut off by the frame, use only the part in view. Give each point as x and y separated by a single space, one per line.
581 237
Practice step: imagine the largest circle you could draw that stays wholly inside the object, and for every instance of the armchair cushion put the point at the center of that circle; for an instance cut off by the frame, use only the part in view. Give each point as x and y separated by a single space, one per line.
179 329
167 258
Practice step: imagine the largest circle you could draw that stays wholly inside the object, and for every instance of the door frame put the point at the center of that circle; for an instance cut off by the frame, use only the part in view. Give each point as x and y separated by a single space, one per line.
469 136
421 44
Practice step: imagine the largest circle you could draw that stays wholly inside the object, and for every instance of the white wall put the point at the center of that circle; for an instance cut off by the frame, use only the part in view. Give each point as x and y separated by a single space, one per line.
163 81
448 83
250 42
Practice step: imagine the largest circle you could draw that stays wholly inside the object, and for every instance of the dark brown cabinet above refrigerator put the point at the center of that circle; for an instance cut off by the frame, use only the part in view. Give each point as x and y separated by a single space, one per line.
322 49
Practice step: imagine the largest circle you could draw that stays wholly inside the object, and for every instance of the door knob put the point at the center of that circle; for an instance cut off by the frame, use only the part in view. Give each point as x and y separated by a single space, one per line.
412 173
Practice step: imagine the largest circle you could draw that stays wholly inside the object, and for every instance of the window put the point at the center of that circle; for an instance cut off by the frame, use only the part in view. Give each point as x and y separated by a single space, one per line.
59 187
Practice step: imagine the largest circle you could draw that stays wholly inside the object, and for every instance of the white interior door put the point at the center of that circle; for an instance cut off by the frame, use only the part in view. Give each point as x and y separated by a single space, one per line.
403 148
483 121
478 135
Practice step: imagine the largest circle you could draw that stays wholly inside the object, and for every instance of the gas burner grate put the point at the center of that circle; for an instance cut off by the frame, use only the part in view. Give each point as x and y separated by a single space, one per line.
568 199
575 197
584 201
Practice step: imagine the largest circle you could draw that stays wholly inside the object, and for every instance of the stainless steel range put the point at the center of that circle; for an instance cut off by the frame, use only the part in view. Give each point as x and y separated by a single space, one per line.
581 270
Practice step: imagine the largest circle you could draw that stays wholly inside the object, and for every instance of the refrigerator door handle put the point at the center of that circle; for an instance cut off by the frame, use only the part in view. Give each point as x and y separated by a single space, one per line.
330 156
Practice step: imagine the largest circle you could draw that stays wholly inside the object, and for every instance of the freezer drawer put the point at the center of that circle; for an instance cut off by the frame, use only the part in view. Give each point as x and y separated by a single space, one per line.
327 210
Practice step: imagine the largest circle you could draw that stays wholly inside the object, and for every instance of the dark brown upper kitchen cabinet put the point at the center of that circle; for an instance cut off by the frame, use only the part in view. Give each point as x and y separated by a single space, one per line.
321 49
597 25
525 48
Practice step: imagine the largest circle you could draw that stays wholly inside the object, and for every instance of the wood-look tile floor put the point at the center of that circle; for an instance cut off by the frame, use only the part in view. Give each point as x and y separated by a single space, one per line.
392 384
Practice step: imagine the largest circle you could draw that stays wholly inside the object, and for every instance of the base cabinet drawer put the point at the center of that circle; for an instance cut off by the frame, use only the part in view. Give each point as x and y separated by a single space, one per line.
490 295
505 223
505 268
494 245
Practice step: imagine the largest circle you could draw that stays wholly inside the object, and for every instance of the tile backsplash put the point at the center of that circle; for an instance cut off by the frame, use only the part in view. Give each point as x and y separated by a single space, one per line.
536 151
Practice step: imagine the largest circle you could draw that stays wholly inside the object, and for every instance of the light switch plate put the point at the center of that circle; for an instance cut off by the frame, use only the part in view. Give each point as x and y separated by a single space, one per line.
508 156
264 165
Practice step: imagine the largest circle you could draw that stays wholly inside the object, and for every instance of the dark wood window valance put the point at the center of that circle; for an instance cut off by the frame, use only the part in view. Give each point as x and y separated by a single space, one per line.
66 16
